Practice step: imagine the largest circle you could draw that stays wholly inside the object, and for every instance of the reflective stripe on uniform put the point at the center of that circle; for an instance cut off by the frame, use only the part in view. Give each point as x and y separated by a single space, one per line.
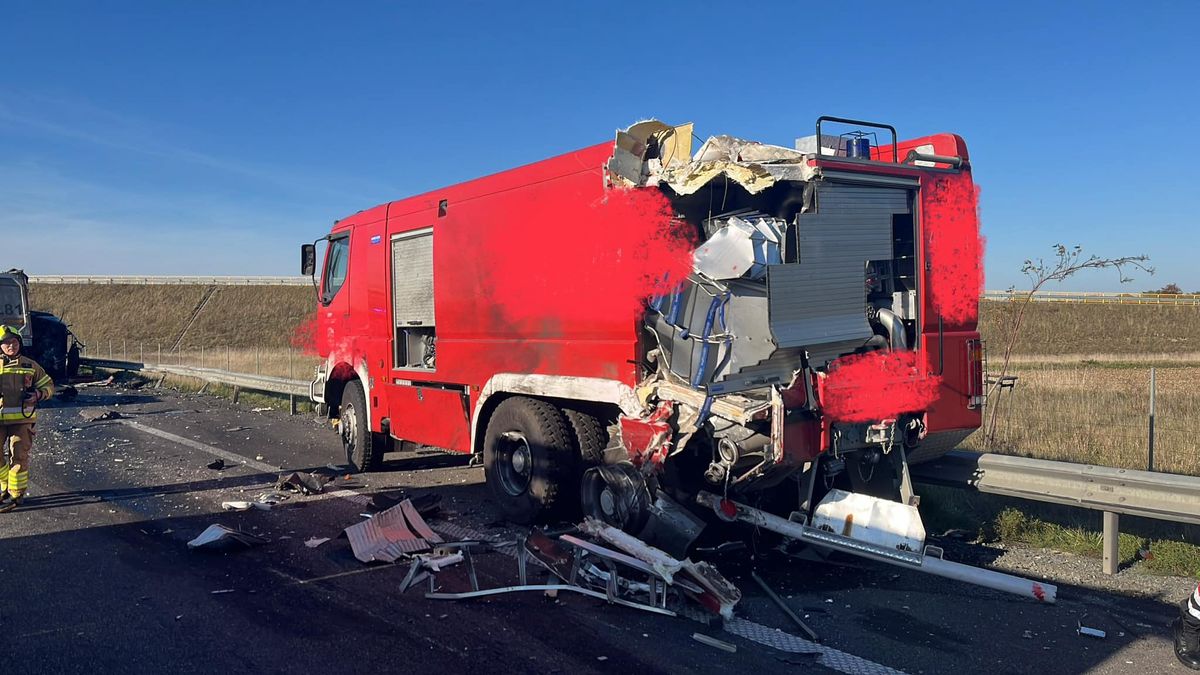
3 479
18 481
17 415
1193 604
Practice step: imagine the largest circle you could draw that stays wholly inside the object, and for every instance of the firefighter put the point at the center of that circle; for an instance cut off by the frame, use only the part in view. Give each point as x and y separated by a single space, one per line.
1187 631
23 384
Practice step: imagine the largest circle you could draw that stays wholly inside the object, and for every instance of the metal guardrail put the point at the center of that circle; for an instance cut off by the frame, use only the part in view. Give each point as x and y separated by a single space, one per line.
1090 298
170 280
266 383
1146 494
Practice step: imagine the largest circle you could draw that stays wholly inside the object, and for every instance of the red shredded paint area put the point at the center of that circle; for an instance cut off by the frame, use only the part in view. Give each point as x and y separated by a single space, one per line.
304 337
954 248
878 385
593 259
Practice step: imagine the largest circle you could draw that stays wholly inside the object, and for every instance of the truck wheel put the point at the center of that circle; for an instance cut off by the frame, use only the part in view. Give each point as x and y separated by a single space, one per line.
590 434
529 459
364 449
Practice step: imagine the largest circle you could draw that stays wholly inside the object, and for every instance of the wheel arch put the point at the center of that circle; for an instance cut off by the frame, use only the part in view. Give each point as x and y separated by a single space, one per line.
589 394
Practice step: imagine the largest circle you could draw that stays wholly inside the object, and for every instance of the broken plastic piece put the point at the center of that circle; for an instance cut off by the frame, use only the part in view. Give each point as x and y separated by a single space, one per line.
236 506
314 542
216 536
216 465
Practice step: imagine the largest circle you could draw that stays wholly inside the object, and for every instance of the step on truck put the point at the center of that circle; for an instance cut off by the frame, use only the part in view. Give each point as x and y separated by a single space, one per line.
805 258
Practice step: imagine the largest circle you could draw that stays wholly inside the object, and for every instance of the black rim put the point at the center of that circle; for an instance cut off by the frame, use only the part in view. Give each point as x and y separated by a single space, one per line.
514 463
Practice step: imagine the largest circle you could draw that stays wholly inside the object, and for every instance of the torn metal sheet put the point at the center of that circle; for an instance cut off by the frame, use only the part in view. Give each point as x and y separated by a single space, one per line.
741 247
304 483
384 538
391 534
645 148
417 523
720 595
217 536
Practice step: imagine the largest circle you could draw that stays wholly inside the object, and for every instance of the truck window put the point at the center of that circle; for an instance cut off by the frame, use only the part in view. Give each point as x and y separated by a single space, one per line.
12 309
337 261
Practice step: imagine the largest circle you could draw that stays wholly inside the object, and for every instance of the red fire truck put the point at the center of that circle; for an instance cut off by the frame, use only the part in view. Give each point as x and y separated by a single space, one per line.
804 255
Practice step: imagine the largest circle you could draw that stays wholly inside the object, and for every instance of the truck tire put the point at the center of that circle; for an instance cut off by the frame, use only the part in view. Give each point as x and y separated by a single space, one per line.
590 435
364 449
935 445
530 460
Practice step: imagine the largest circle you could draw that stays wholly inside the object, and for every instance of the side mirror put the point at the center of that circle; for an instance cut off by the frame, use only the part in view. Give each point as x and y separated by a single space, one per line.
308 259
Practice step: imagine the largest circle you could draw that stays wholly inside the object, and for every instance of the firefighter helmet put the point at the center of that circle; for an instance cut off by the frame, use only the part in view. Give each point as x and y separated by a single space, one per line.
9 333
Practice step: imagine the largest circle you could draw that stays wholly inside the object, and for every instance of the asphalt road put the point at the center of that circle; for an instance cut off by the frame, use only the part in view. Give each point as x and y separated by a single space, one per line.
96 576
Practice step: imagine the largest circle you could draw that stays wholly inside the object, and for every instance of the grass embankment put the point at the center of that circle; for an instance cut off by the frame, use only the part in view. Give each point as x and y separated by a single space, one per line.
241 328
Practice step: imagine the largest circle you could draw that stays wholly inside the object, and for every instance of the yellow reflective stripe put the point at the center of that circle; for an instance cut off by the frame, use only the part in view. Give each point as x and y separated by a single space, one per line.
45 380
18 417
16 370
18 479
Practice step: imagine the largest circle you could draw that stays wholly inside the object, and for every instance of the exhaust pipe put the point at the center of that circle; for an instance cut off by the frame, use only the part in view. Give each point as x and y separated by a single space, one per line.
895 328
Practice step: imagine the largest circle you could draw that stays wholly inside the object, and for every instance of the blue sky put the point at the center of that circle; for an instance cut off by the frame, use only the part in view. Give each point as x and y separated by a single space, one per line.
214 137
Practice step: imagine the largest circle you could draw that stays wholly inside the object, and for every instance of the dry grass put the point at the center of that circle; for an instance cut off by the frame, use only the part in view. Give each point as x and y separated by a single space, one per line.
1082 393
1058 328
1098 414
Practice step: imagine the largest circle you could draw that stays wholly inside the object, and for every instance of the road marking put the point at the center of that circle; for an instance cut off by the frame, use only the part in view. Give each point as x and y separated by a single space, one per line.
202 447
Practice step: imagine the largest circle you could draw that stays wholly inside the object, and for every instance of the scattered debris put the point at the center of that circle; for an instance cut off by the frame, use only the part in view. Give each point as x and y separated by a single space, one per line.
1028 635
224 590
93 415
303 483
389 535
98 383
713 642
272 498
236 506
258 410
783 606
314 542
233 429
717 593
219 536
259 458
217 465
1081 629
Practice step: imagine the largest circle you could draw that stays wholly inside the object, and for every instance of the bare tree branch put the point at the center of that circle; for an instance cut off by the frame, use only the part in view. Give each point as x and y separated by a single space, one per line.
1066 263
